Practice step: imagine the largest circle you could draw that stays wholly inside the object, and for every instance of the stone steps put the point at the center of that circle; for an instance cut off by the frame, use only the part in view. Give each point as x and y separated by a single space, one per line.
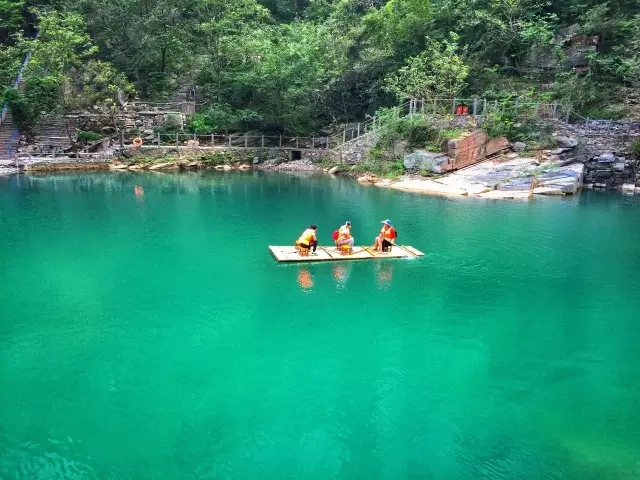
7 130
52 136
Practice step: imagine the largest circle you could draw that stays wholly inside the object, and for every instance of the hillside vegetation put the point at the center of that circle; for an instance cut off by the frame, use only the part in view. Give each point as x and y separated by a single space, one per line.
296 66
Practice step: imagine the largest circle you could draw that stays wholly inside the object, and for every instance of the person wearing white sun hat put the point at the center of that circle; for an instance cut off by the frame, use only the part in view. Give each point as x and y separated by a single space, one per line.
387 237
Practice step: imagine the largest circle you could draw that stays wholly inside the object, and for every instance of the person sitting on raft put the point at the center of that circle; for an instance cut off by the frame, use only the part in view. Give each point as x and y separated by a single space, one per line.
308 239
386 238
344 235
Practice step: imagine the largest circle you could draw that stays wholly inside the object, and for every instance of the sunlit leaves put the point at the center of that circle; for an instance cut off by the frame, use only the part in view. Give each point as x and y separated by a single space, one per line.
438 71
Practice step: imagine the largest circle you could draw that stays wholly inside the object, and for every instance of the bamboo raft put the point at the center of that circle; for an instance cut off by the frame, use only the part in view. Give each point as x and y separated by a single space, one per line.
326 254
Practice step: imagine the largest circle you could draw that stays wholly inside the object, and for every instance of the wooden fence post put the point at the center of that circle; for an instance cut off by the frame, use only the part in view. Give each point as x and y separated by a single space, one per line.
568 114
327 143
213 140
245 140
484 107
344 135
453 108
297 140
313 143
555 110
280 143
475 107
229 139
262 141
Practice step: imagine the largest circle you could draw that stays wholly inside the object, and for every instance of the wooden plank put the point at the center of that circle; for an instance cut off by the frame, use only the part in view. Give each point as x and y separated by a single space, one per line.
359 253
395 252
414 251
289 254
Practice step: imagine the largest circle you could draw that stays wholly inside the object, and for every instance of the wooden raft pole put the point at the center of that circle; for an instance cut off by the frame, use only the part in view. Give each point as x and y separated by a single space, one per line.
331 254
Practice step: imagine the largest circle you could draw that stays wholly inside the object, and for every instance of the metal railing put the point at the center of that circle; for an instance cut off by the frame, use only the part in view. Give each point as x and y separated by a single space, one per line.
166 107
238 141
481 107
478 110
598 127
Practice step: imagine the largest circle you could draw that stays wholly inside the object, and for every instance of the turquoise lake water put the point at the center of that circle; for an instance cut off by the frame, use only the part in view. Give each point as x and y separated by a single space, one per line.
154 336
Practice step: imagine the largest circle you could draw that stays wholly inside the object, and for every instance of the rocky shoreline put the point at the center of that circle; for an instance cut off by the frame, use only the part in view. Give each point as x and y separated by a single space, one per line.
509 176
7 167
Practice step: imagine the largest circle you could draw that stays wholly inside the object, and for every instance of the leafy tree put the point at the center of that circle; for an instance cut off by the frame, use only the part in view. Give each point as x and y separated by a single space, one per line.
300 65
63 73
150 41
436 72
11 19
228 37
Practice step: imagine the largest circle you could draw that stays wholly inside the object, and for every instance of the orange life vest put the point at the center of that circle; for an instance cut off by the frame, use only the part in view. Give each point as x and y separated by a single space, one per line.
388 233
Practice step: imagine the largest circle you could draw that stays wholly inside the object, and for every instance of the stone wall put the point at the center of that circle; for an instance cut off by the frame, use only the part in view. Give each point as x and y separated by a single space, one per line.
219 155
49 166
131 124
601 137
55 135
612 171
354 151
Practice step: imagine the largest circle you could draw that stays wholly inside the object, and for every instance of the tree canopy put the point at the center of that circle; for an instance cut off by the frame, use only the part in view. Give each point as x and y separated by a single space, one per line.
298 66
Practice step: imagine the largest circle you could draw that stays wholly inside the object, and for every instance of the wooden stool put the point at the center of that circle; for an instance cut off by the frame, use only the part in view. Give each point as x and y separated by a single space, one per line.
303 252
345 249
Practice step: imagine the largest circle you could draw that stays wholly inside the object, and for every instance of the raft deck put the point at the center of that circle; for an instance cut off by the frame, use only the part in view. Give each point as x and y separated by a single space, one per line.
325 254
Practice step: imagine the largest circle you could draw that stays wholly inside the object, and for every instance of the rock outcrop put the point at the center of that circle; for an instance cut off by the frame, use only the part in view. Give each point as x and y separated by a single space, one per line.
612 171
469 149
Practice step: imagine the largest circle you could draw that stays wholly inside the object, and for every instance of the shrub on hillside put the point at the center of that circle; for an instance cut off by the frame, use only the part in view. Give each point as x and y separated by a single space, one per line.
635 149
88 136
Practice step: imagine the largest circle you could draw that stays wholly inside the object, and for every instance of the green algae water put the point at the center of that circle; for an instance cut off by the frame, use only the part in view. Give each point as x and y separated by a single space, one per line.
154 336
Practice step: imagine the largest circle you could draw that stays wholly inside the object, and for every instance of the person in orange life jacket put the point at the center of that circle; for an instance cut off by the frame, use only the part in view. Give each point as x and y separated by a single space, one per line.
308 239
344 235
386 238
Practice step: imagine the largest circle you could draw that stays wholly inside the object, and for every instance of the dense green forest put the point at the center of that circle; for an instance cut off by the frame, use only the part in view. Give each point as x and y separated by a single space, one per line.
297 66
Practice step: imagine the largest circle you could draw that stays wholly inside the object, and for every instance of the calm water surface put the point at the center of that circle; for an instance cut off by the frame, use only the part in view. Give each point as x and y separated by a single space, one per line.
155 337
